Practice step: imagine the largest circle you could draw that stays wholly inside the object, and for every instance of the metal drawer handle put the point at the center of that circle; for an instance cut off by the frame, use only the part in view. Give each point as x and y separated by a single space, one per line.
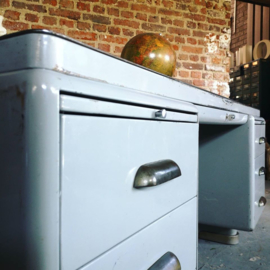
161 113
262 201
156 173
167 262
262 140
261 171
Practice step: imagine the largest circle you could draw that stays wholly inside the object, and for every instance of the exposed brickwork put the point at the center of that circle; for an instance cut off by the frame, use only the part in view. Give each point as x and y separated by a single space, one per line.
239 38
193 27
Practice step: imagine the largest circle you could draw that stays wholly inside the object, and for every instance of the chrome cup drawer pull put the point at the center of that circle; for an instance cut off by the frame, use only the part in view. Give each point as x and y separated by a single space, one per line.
261 171
156 173
262 201
167 262
161 113
262 140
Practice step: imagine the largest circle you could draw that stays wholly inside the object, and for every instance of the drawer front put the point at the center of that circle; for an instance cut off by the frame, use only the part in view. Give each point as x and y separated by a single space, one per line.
259 140
175 232
100 157
259 187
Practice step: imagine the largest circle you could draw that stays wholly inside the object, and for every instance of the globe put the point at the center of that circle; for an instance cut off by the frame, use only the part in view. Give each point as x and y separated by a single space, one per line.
152 51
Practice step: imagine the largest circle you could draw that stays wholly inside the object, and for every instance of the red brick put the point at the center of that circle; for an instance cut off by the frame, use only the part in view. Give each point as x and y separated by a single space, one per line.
203 26
193 9
67 23
153 19
83 26
31 17
118 49
180 40
144 8
178 23
166 21
127 14
104 47
142 17
10 25
193 66
194 58
153 27
13 15
113 11
186 81
54 29
49 20
219 8
192 49
109 2
206 59
227 5
168 12
192 41
97 18
183 56
50 2
127 32
168 4
175 47
99 27
65 13
122 4
82 35
178 31
181 6
99 9
203 10
66 4
200 2
37 8
196 74
199 34
195 17
207 75
199 83
216 21
114 30
209 4
191 25
83 6
128 23
4 3
169 37
218 76
184 73
113 39
216 60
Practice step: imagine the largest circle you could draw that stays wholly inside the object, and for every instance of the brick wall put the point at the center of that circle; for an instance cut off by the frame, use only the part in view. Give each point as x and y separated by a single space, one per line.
239 38
197 29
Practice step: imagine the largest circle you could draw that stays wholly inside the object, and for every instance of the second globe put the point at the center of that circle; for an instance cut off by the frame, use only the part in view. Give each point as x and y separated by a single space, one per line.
151 51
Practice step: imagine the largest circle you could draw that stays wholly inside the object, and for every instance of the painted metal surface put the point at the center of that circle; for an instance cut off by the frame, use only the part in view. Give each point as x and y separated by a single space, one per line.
100 107
29 172
143 249
220 117
230 178
99 202
52 52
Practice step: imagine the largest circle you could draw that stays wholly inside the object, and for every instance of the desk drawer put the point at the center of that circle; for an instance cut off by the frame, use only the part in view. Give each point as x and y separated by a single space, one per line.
175 232
99 206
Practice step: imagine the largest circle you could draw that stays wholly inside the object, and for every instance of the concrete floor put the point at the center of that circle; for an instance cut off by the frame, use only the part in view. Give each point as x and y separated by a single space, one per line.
252 252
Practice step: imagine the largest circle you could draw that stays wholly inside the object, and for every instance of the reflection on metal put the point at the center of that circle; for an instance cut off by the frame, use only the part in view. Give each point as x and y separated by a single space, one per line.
262 140
156 173
167 262
262 171
262 201
161 113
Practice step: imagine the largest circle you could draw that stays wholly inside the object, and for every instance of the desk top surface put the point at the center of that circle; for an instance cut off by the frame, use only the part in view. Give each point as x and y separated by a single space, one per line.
42 49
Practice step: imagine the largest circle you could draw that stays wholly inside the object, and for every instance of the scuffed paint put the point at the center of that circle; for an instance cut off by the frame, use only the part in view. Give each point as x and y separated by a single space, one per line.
211 43
3 30
225 39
